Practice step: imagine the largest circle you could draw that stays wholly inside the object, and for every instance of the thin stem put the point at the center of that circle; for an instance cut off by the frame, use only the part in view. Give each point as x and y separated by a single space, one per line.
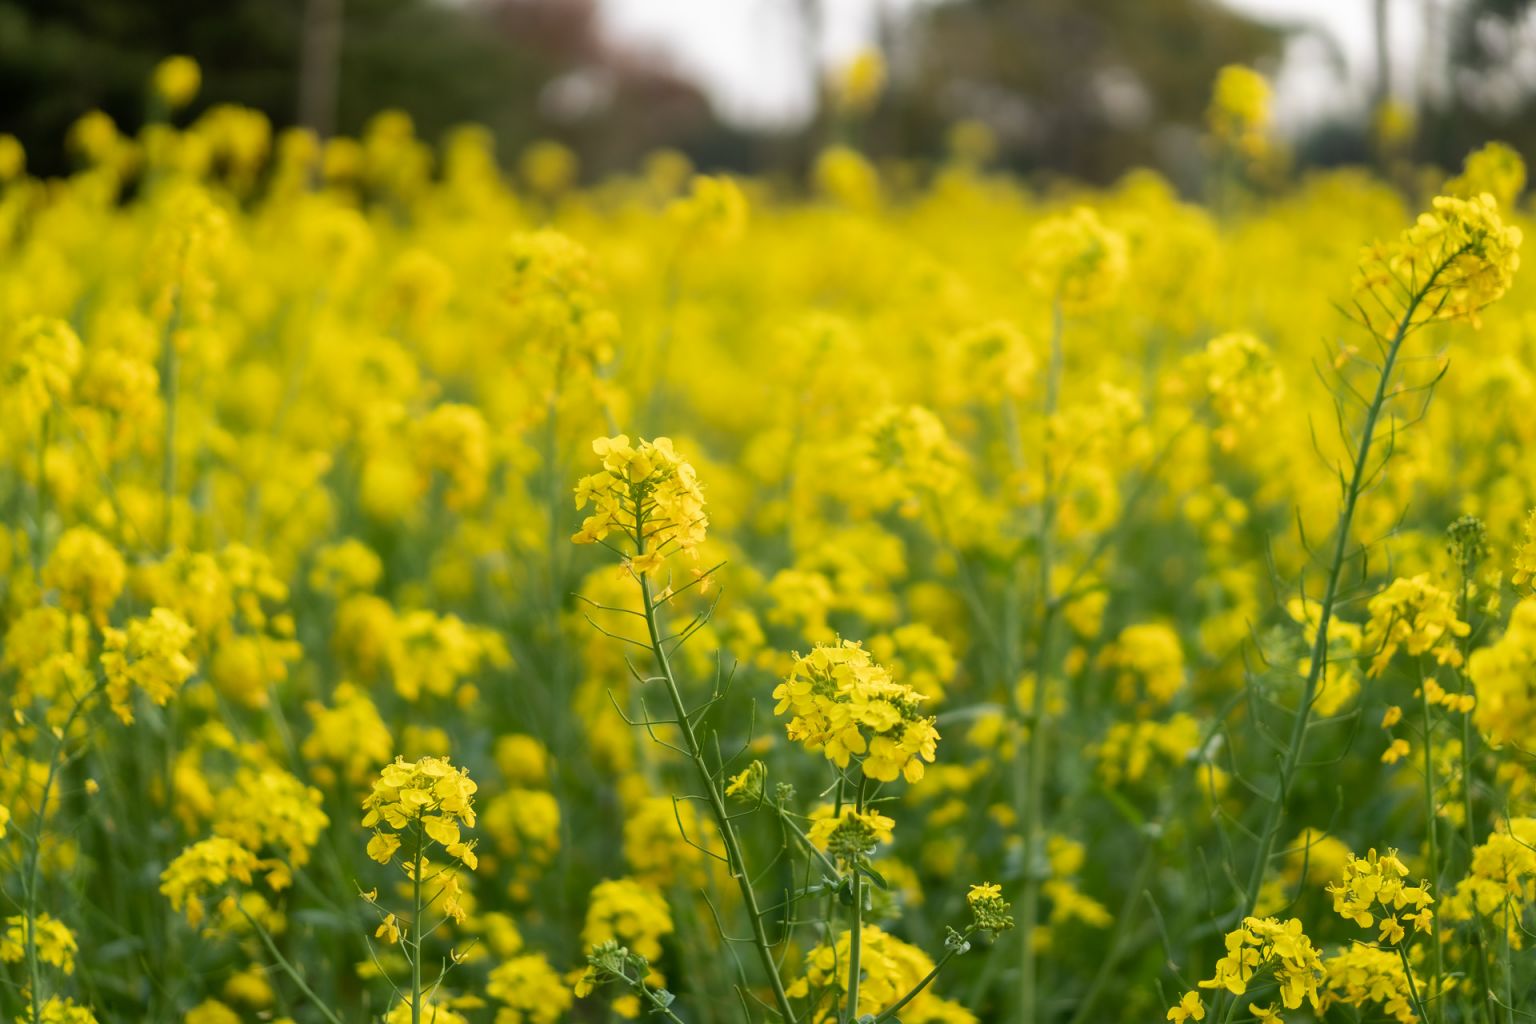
35 855
416 929
856 932
734 859
169 389
288 968
889 1013
1029 772
1413 988
1509 970
40 535
1122 932
1479 939
1431 824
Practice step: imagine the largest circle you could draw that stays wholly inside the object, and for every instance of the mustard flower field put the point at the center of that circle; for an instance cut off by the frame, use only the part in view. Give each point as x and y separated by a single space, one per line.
431 593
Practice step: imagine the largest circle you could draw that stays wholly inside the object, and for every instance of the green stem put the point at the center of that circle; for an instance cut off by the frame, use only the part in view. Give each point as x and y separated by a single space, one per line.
1122 932
32 877
889 1013
856 931
1431 824
734 859
40 535
1029 772
1509 970
1479 938
168 386
416 930
288 967
1413 988
1291 759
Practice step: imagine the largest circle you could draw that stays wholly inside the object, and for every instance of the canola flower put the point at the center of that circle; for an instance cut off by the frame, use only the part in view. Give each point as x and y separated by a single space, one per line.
296 426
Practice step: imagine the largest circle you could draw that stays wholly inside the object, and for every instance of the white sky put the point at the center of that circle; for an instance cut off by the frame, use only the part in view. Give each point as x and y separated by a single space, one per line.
750 56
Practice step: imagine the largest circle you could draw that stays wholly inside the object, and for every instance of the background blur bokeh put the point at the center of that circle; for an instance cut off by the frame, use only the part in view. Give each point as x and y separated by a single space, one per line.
1081 87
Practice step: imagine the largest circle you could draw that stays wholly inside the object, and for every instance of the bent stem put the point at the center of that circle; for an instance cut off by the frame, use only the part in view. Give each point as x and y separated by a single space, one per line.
695 751
953 950
287 966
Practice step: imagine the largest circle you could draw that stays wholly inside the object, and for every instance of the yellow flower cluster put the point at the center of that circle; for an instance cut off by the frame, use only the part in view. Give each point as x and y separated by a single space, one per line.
1148 662
648 494
890 967
1243 382
148 655
1503 677
1239 112
1501 882
1361 975
851 834
54 941
1458 258
1416 617
429 799
1373 886
204 870
529 989
1074 259
846 706
1267 945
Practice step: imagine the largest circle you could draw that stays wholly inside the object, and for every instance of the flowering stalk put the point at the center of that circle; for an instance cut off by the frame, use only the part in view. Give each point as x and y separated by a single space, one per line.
1291 758
695 753
416 928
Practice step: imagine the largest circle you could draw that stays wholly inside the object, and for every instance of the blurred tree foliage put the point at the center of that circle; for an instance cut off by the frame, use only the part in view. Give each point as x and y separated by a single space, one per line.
1085 86
525 68
1490 81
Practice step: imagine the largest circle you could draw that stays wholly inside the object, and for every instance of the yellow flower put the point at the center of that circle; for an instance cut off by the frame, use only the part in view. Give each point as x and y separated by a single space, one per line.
1239 112
202 870
176 81
858 85
55 943
845 705
531 991
150 655
1189 1007
1455 260
1265 1014
646 493
429 795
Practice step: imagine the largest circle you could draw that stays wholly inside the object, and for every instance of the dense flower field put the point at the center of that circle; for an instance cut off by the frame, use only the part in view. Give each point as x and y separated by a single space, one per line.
984 604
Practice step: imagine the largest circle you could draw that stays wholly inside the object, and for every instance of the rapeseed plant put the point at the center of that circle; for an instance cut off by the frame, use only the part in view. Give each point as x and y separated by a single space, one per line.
982 568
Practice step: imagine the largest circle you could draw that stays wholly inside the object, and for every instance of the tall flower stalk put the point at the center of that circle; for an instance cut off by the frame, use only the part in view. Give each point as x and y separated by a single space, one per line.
1451 263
